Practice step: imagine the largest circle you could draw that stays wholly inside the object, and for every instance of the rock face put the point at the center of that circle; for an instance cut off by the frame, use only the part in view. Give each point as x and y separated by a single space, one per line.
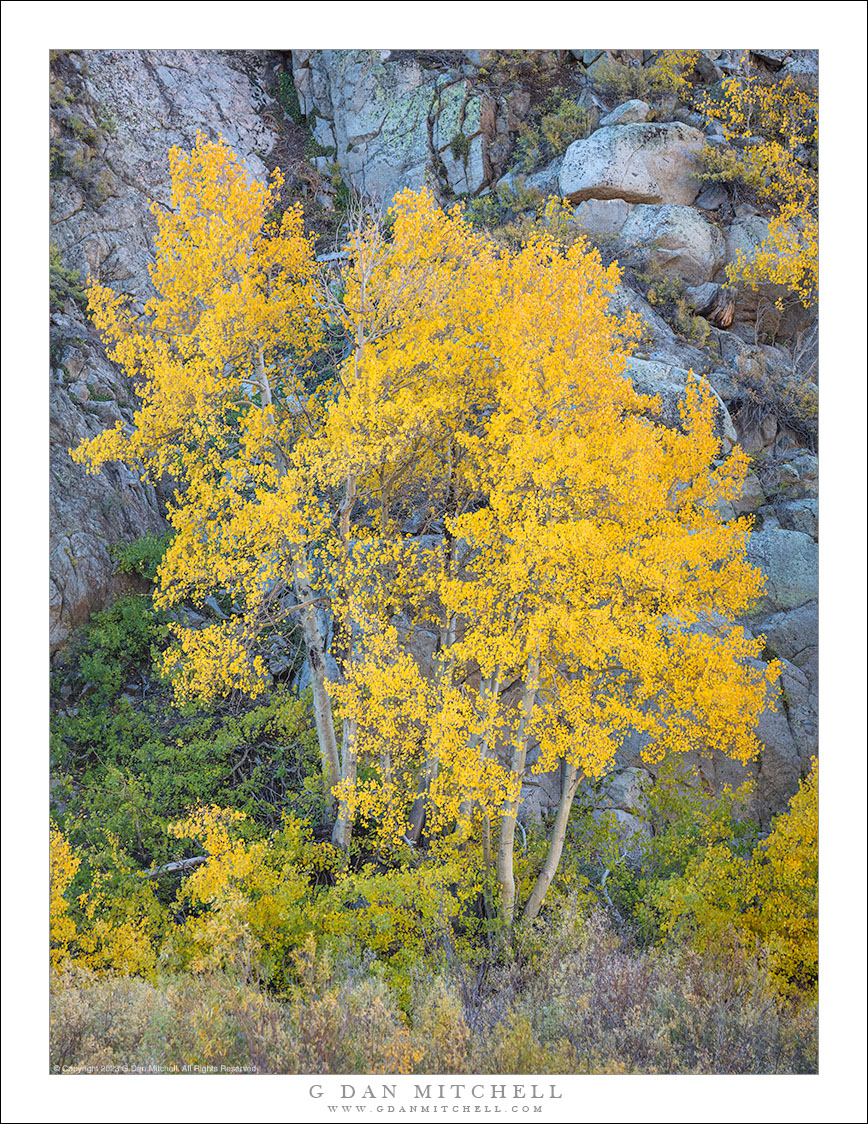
115 115
675 239
391 122
794 635
628 113
788 733
641 163
149 101
713 301
88 513
659 343
789 561
603 216
545 180
625 790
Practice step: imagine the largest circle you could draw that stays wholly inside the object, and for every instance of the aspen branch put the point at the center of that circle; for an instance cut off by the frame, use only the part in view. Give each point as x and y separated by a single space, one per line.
182 866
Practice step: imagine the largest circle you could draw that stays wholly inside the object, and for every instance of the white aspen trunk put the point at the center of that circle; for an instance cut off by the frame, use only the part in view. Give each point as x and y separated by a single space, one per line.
416 817
489 688
343 830
505 874
322 703
310 630
569 784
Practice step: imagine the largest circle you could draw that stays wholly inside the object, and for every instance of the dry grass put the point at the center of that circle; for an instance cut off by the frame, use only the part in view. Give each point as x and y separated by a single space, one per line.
572 1001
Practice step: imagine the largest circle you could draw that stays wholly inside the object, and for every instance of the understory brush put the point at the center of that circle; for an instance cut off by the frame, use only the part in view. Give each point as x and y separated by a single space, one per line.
201 917
584 1004
559 121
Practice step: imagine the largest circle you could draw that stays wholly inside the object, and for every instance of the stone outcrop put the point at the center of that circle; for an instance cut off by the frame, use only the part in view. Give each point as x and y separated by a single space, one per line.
88 513
714 301
604 217
115 115
641 163
674 239
391 122
628 113
789 561
127 109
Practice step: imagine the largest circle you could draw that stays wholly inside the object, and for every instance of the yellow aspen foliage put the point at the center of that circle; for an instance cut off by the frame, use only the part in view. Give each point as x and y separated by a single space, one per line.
582 546
779 123
217 357
122 921
116 924
64 867
253 893
673 69
480 468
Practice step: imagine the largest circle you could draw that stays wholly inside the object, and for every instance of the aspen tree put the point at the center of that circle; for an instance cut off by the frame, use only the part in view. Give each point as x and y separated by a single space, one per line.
596 576
479 465
218 357
602 580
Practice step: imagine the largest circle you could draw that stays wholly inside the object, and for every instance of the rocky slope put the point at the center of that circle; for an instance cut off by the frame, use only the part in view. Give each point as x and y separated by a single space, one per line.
114 116
456 121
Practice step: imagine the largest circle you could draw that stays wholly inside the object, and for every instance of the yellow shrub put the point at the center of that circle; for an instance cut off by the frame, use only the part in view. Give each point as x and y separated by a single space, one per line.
770 898
781 121
64 867
441 1032
117 925
253 892
783 888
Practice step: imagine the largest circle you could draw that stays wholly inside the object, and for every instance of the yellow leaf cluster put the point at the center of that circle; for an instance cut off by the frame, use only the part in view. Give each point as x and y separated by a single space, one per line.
218 358
251 891
110 928
779 162
64 866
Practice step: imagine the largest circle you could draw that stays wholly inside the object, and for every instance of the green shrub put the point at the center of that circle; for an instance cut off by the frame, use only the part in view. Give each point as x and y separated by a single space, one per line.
667 295
142 556
506 204
130 771
460 146
312 149
562 121
684 819
670 73
287 97
768 896
117 640
63 284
